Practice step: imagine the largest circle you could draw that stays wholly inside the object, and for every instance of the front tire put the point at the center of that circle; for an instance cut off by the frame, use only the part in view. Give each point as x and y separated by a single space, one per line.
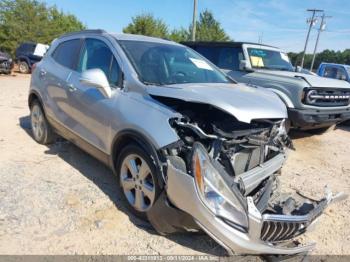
23 67
42 131
138 180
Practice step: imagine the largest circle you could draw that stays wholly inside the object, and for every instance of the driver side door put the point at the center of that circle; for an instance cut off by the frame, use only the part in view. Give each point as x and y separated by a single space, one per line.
90 111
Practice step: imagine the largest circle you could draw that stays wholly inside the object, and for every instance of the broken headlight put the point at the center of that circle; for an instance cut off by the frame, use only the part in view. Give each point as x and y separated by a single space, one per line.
215 192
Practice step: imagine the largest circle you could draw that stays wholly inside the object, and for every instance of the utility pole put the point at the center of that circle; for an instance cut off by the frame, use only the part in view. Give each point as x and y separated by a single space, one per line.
322 28
193 36
311 23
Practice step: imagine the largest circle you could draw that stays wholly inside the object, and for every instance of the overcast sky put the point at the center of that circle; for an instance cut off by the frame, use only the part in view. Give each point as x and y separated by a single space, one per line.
280 23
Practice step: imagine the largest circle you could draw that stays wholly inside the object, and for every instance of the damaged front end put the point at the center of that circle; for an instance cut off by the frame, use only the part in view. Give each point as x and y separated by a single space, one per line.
221 177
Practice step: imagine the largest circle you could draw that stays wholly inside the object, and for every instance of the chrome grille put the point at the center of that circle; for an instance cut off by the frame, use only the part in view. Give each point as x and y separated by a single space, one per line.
274 231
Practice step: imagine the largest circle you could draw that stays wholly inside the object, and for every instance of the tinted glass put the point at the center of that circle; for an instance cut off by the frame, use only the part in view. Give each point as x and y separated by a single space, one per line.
348 70
223 57
269 59
96 54
166 64
341 74
66 53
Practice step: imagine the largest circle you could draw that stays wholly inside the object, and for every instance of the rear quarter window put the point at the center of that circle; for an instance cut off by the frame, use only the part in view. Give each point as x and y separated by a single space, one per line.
66 53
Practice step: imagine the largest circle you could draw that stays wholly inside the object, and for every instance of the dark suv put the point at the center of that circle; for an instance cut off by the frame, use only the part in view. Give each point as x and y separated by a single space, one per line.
27 54
6 63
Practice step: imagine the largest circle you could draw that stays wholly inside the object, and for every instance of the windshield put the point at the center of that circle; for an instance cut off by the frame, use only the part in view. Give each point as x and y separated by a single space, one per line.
269 59
165 64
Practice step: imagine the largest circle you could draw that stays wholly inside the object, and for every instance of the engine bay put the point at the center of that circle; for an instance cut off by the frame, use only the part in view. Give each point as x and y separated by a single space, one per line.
242 149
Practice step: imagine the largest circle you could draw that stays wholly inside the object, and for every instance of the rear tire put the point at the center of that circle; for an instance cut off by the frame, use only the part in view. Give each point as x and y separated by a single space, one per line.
138 180
23 67
42 131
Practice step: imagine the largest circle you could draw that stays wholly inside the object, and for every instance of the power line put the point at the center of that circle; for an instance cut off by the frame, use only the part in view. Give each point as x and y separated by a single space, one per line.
312 21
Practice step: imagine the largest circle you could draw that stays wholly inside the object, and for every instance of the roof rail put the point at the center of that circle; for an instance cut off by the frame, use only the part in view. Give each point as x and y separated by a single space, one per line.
95 31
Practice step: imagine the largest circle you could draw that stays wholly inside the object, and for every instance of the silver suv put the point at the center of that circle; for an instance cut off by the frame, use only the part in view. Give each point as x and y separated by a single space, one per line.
192 149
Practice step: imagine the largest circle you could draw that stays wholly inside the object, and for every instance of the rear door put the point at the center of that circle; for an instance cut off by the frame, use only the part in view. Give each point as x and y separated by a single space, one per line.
55 72
90 112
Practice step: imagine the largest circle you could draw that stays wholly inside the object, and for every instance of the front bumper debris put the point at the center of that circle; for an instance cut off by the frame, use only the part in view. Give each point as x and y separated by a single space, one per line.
267 234
6 66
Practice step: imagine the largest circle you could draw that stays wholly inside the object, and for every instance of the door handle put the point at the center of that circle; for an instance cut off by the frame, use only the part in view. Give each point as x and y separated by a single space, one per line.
72 88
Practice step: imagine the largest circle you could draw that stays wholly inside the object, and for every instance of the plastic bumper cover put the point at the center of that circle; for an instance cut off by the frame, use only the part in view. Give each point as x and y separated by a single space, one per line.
181 191
314 118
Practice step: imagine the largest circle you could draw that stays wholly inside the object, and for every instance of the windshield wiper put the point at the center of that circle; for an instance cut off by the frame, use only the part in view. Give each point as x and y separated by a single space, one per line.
275 68
152 83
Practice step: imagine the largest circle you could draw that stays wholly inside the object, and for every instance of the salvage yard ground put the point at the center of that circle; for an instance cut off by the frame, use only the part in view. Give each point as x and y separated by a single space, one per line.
58 200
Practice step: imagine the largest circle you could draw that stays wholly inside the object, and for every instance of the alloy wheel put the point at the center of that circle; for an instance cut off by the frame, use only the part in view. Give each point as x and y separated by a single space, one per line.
137 182
38 124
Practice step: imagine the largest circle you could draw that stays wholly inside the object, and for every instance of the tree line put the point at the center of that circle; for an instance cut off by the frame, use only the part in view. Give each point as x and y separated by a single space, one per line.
34 21
31 20
330 56
207 28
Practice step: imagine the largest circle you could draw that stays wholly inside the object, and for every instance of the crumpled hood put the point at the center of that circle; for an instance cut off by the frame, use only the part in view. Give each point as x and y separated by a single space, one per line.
245 103
312 80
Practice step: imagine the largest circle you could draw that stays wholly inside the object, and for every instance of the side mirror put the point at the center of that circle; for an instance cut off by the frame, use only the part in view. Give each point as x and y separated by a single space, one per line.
244 66
97 78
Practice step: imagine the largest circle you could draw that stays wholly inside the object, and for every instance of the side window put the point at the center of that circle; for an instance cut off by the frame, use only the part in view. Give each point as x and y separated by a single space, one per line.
66 53
341 74
96 54
223 57
209 53
229 58
330 72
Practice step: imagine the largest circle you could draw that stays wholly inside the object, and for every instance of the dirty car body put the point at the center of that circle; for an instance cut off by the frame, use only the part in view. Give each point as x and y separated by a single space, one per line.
216 146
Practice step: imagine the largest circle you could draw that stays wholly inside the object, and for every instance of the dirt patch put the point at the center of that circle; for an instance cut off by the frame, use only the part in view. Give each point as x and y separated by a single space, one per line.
59 200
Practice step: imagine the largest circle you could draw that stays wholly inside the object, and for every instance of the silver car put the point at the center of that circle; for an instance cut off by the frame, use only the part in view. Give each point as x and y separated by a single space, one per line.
192 149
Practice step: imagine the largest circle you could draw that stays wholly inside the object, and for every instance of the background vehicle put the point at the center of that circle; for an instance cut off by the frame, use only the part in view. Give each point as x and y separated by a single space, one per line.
6 63
27 54
312 101
336 71
191 148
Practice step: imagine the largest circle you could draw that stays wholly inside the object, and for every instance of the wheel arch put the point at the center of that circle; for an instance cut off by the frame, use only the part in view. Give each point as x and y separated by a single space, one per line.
283 96
34 95
25 59
128 136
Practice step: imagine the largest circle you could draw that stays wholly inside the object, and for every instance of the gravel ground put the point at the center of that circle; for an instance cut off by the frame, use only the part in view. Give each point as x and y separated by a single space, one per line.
59 200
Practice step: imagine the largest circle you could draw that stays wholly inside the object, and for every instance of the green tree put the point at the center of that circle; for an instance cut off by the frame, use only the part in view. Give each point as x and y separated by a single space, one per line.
179 35
31 20
328 56
209 29
147 24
